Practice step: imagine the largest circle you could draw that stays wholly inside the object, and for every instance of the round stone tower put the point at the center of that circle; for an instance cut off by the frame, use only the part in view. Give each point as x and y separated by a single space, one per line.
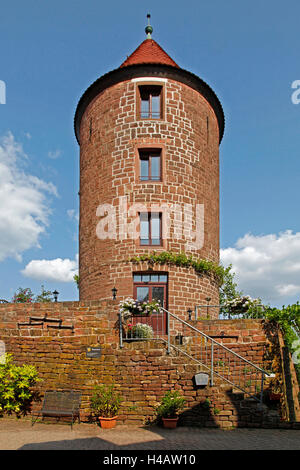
149 135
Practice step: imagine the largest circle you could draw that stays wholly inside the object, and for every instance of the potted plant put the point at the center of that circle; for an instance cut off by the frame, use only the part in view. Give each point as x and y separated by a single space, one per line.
105 403
275 394
142 331
138 331
169 407
275 389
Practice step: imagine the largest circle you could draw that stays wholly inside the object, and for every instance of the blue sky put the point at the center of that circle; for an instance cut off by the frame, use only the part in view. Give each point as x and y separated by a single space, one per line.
248 52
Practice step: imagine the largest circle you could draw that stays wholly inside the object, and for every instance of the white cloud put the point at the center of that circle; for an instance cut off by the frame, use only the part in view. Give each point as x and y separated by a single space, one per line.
73 215
55 154
24 207
59 270
266 266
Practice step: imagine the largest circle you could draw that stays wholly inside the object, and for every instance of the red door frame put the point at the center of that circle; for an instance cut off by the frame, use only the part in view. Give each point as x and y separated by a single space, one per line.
157 321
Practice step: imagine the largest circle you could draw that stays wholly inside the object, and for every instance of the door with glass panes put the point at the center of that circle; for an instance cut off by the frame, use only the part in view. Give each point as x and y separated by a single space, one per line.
148 287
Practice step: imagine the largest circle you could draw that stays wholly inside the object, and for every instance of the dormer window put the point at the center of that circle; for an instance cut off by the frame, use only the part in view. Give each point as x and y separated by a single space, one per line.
150 102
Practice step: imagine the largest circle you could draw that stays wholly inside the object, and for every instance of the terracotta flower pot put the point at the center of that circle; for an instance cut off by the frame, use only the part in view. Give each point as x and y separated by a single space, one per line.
107 423
275 396
170 423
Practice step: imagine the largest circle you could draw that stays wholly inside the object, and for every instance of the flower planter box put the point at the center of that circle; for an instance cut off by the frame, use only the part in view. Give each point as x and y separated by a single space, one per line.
169 423
140 314
274 396
107 423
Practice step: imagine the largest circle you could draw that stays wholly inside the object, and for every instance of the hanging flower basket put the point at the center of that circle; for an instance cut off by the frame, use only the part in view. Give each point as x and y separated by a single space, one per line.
129 307
170 423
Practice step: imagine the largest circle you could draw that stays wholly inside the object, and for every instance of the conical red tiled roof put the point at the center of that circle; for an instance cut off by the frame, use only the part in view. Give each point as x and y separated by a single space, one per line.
149 52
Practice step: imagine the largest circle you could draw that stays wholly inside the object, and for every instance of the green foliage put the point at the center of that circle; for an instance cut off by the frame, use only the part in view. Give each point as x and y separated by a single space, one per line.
201 266
140 330
205 404
76 279
105 401
288 319
16 383
171 403
228 290
27 296
23 296
44 296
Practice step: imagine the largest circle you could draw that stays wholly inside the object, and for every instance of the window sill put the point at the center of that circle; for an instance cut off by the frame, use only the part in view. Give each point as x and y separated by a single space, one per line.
150 119
150 181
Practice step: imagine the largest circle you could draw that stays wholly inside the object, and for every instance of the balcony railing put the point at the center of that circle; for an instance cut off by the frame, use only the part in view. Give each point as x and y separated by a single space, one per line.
141 327
225 313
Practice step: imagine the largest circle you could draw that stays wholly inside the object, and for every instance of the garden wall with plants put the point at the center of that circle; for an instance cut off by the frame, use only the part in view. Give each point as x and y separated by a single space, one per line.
141 370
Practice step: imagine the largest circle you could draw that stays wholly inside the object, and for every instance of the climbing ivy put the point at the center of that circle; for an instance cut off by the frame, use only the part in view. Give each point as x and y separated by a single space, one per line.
201 266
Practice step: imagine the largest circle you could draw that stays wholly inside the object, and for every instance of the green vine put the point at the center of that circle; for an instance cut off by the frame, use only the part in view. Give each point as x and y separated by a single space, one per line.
201 266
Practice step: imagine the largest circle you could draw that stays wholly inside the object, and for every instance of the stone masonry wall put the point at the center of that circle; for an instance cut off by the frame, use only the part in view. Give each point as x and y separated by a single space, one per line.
143 371
110 137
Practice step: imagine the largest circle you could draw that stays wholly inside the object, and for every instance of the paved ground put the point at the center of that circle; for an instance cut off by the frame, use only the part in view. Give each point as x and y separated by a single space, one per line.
19 434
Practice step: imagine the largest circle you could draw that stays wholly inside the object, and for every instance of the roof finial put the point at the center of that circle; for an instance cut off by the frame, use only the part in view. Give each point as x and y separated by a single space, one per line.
149 28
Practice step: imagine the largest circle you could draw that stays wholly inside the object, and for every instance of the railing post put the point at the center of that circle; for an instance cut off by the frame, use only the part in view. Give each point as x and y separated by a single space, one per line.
168 329
121 330
261 388
212 365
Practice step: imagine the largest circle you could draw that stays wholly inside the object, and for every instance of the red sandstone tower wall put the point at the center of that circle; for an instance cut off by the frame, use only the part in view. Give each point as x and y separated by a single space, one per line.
112 134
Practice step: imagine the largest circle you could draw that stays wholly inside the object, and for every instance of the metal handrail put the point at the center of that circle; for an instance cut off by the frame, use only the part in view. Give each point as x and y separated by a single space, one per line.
208 306
203 349
216 342
213 347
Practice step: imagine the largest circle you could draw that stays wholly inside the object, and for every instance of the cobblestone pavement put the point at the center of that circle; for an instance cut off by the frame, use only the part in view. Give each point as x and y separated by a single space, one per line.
19 434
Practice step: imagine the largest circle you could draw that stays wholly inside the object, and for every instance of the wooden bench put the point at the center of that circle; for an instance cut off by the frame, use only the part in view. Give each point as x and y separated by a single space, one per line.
61 403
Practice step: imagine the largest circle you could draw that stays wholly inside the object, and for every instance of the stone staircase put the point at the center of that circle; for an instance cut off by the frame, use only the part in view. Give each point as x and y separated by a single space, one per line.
237 388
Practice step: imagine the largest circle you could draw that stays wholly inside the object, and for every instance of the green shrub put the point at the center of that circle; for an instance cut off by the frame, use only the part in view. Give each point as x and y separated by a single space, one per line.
16 383
105 401
23 296
45 296
205 404
171 403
